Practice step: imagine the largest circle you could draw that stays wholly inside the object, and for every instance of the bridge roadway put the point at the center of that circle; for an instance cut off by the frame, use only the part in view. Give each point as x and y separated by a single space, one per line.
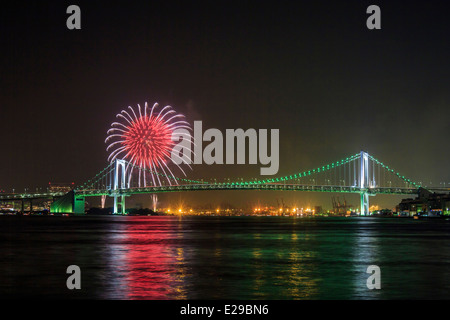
30 195
204 187
272 187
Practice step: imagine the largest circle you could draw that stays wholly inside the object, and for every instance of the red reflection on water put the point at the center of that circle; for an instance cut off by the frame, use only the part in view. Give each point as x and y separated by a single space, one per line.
154 259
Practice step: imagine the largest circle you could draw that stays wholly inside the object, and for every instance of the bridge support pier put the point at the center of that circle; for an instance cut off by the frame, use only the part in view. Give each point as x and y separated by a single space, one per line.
119 200
119 183
364 203
364 182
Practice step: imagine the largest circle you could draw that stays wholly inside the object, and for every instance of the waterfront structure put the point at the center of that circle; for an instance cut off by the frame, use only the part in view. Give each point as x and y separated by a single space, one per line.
426 203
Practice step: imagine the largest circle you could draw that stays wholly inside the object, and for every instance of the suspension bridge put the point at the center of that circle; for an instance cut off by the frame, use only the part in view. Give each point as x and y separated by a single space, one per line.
360 173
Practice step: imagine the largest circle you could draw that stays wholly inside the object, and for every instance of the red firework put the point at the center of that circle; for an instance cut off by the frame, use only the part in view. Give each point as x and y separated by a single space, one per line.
148 141
145 141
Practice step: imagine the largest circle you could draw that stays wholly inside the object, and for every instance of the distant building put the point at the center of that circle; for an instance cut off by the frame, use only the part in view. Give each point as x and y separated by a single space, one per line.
426 203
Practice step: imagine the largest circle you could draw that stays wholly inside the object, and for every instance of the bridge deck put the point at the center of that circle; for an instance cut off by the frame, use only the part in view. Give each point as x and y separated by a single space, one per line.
273 187
37 195
206 187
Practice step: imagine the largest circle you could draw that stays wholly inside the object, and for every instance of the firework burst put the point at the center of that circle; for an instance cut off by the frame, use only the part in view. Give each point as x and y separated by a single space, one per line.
144 139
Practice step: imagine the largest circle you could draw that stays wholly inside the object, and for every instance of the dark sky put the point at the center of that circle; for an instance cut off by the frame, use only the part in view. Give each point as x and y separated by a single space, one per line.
309 68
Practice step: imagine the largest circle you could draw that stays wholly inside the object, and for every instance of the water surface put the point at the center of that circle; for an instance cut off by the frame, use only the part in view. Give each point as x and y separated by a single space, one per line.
129 257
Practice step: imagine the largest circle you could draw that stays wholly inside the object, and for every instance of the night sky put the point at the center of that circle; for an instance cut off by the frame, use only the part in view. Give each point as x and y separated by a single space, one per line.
309 68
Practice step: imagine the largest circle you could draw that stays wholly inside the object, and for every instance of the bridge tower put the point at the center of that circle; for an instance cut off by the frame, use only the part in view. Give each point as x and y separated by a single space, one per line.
119 177
364 182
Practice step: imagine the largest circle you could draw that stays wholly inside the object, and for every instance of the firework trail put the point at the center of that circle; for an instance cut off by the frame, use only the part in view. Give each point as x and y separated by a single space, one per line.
144 139
154 202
